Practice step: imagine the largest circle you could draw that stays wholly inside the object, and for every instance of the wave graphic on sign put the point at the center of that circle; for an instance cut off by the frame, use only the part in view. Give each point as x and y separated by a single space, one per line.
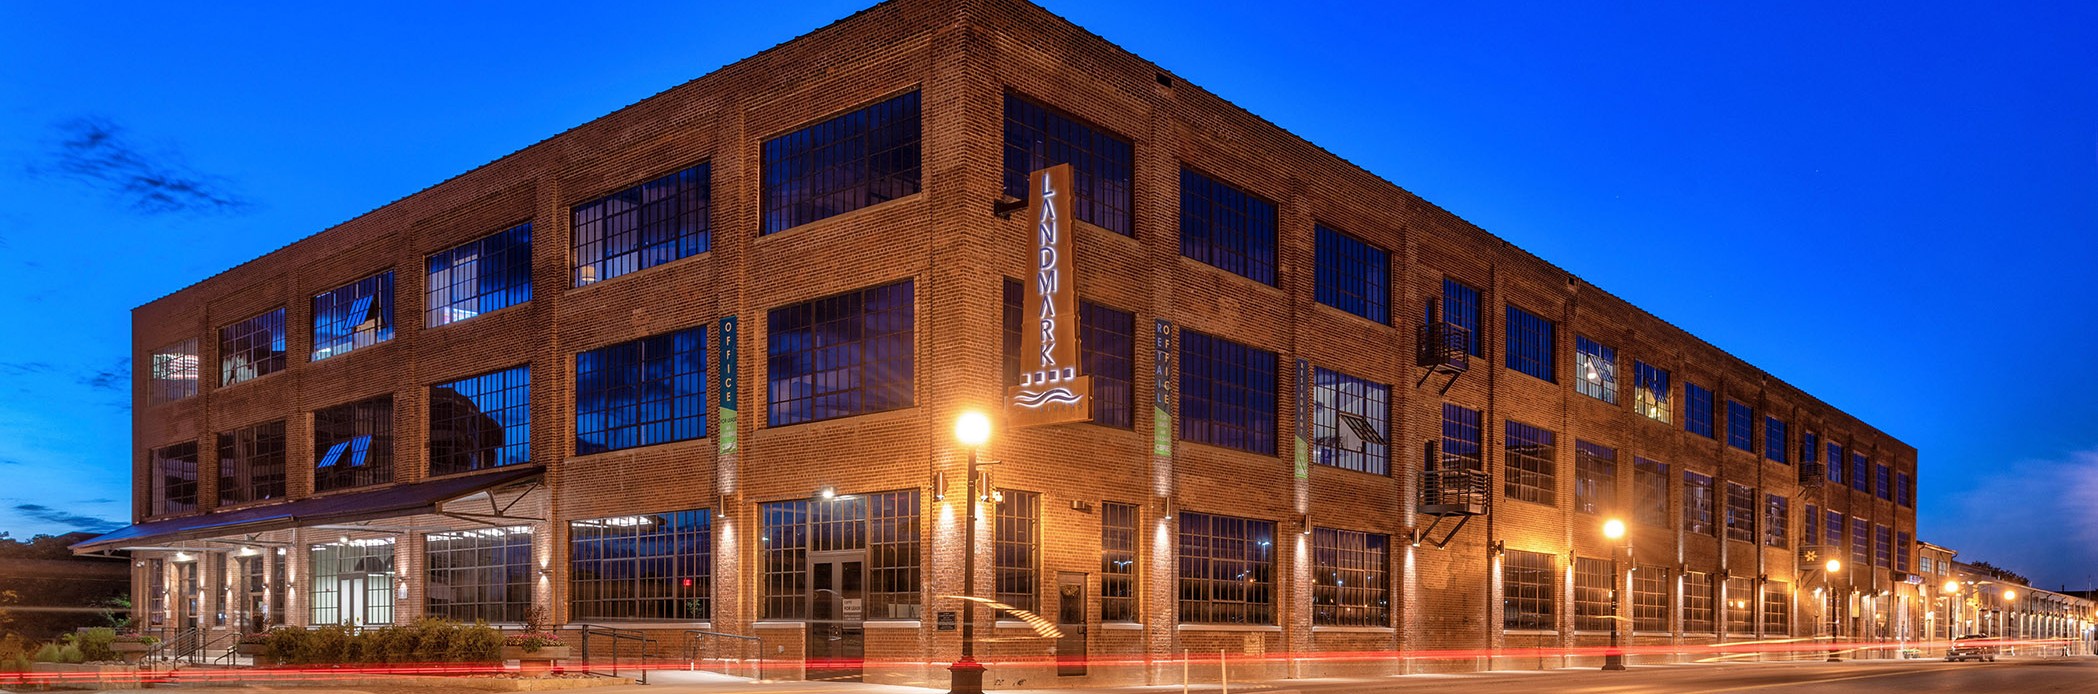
1052 396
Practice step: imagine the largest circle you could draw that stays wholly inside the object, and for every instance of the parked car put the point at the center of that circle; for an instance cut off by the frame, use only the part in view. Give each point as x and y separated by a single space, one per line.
1973 646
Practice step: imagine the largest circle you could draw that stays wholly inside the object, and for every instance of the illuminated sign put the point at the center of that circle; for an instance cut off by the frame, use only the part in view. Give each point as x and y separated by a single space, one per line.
1052 388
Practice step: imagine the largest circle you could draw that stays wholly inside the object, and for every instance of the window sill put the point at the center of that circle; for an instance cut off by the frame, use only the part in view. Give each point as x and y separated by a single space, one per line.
1530 632
577 625
1229 627
1122 626
893 624
1330 629
1012 624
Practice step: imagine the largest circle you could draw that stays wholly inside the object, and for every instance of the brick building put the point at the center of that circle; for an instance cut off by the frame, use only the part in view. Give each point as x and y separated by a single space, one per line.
696 365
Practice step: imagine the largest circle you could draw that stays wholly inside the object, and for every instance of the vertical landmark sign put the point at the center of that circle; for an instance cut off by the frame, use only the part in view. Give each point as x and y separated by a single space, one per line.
729 386
1053 388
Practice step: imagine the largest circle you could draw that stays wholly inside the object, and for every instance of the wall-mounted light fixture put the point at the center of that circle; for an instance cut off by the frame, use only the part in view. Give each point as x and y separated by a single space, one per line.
939 485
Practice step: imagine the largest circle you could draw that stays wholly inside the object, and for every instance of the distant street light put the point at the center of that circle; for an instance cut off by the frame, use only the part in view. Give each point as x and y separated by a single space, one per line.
1828 584
965 676
1614 529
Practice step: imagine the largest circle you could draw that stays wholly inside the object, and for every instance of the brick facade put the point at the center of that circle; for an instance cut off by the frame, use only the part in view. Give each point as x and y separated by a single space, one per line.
963 56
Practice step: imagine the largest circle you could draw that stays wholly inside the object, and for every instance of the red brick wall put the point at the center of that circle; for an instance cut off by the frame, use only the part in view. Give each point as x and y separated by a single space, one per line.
963 55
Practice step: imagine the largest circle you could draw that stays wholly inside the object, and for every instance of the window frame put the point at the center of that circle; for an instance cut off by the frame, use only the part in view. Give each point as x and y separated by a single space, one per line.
694 181
1229 227
1592 355
1206 559
1218 409
1527 475
1351 274
870 333
670 366
677 547
1531 344
512 261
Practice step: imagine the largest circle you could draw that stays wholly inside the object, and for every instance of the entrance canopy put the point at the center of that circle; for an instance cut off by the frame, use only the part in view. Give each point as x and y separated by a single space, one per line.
389 502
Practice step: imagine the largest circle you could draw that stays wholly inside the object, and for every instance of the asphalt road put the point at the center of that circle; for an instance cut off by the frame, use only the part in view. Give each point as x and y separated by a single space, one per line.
2023 674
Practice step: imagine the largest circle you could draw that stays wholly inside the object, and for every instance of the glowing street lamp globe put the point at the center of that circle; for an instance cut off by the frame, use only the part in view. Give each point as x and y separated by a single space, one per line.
1834 565
1613 528
973 429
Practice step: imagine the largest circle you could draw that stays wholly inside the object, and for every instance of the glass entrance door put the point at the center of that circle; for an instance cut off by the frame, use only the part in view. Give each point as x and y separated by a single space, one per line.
349 599
837 613
1070 619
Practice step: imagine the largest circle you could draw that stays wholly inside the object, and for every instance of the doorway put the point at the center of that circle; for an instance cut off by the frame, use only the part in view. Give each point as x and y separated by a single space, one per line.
1070 619
837 632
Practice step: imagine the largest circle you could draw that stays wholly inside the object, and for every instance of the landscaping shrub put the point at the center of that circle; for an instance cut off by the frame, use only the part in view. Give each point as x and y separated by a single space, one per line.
427 640
48 654
285 644
70 653
479 643
95 644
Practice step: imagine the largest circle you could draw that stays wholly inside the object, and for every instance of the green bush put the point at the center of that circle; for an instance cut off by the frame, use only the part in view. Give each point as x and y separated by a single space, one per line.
328 645
95 644
479 643
284 644
70 653
48 654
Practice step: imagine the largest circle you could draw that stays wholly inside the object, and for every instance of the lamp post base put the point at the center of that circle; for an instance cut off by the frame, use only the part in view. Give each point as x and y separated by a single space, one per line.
1613 661
965 676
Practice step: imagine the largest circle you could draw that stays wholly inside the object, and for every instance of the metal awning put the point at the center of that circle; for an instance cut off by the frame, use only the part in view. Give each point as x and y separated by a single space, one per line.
388 502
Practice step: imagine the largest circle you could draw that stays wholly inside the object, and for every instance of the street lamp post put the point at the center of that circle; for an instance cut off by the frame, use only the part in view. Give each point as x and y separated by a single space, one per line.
1828 585
2010 612
1614 659
965 676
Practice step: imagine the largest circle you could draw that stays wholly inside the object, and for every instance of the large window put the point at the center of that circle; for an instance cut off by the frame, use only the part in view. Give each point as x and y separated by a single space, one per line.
1833 532
1595 369
1227 227
1740 426
1595 478
1227 570
1741 605
1350 583
1740 512
479 276
641 393
353 444
1860 542
858 159
480 575
353 316
1697 410
1650 599
1101 163
1591 594
1348 419
841 355
1809 449
1697 602
251 348
1860 472
1530 340
1883 482
481 421
1649 492
656 566
1810 525
1461 438
251 463
643 226
1106 347
1460 307
1528 457
1528 584
884 526
1016 570
1901 551
1835 462
1118 540
174 372
1774 440
1650 391
1882 546
1352 275
1777 516
1697 504
1904 489
1777 608
1227 393
352 582
174 471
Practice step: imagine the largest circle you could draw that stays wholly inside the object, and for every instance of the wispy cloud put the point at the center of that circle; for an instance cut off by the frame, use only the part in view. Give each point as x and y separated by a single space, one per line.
24 368
97 152
116 378
70 520
2036 517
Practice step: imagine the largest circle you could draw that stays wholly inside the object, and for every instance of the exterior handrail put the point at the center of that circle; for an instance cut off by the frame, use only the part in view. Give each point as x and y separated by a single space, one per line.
617 635
695 639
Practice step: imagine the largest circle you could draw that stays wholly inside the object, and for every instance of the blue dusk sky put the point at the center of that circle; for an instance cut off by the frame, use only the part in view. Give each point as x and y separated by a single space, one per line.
1889 205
